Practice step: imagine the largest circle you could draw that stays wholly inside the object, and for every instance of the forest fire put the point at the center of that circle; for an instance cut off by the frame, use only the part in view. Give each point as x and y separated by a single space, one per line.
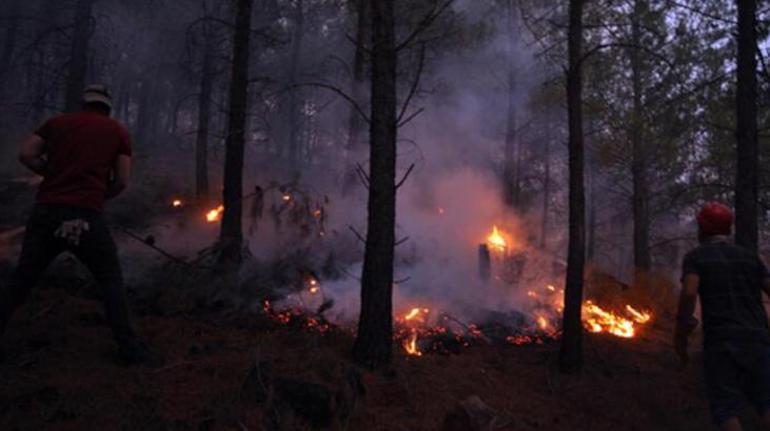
497 241
215 214
597 319
414 333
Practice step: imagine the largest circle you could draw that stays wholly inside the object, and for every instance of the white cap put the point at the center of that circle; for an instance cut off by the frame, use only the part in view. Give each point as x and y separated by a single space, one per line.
97 94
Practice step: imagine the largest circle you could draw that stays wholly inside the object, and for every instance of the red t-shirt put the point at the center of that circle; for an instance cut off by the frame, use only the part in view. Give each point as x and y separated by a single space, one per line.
81 150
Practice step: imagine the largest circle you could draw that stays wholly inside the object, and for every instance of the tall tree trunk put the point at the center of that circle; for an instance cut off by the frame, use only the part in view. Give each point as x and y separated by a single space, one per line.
746 211
78 66
146 112
9 44
355 122
546 192
294 134
357 93
373 346
204 115
511 174
231 233
571 354
640 196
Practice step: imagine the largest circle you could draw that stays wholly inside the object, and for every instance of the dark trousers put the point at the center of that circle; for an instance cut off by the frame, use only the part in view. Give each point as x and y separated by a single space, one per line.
97 251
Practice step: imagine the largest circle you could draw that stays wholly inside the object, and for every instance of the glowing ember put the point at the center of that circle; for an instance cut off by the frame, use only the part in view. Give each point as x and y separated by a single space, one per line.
410 345
286 197
177 203
497 241
313 285
215 214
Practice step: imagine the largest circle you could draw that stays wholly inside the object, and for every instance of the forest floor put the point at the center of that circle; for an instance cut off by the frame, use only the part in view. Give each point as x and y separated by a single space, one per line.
59 373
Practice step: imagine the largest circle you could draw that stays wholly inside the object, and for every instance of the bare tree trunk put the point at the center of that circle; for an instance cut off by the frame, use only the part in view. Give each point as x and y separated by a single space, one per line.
546 192
511 174
357 93
746 211
355 122
294 133
204 116
231 233
373 346
78 66
571 354
640 195
146 118
9 45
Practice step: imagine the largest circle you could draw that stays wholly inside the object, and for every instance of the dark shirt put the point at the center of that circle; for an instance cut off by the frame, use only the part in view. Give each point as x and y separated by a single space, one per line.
81 150
730 289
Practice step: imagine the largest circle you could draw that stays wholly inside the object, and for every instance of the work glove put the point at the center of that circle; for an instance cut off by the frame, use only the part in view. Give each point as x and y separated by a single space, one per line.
71 231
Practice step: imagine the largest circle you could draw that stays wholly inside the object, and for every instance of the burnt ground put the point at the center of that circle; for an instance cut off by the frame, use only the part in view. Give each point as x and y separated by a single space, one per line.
60 373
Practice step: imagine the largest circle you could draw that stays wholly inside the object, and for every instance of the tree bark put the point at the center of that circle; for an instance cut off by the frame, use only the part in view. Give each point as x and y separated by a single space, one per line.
355 122
546 192
9 44
746 207
231 233
293 110
571 353
204 116
511 172
78 65
373 345
640 195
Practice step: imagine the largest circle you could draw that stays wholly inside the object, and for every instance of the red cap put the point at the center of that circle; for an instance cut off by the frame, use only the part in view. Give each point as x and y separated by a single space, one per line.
715 219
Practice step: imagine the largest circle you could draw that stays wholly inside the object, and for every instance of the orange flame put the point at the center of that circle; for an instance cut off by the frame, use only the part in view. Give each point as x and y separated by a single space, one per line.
497 241
639 316
410 345
596 319
177 203
416 313
215 214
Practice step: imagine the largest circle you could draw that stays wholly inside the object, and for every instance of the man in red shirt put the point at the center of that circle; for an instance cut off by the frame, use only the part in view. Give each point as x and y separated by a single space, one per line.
84 158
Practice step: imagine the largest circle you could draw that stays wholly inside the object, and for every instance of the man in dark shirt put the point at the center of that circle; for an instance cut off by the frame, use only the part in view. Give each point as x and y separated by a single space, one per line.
729 280
84 158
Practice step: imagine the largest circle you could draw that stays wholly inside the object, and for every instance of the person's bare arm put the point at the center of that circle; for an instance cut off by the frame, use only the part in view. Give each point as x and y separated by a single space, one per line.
31 154
121 174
